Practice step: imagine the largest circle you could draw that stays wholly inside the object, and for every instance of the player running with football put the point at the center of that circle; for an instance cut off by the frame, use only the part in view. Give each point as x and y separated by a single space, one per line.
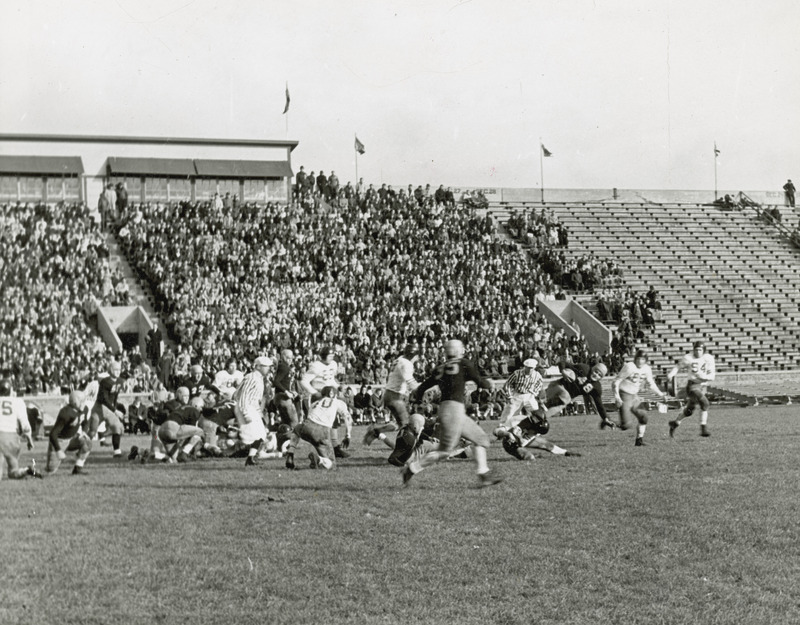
627 385
701 370
451 377
579 380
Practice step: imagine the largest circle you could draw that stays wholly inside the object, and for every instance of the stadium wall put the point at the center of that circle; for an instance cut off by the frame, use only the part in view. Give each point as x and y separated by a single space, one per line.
635 196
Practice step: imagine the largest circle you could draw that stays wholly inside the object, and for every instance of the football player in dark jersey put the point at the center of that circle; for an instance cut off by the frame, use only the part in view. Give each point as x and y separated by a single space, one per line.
579 380
106 408
68 435
520 440
451 377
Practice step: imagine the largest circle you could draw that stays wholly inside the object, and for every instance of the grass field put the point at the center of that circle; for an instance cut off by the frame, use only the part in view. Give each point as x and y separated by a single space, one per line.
684 530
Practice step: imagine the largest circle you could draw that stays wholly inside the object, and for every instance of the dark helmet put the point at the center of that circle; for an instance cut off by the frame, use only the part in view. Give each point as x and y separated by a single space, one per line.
410 350
5 388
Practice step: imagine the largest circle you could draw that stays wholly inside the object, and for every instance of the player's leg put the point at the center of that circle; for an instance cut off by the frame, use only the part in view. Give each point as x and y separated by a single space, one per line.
115 427
83 445
691 404
704 403
10 450
557 398
294 441
189 436
398 409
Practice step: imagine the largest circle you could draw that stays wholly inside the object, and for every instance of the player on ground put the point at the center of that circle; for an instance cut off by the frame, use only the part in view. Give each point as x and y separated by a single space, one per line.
521 390
627 385
399 384
451 377
701 370
321 374
326 408
579 380
68 435
249 408
13 424
528 434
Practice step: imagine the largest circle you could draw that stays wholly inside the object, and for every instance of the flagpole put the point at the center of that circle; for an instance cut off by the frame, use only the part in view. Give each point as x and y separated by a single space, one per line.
541 167
715 170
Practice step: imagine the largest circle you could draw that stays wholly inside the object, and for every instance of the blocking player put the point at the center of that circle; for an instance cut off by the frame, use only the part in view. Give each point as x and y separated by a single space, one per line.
68 435
326 407
13 424
399 384
700 367
412 442
627 385
451 377
321 374
579 380
520 440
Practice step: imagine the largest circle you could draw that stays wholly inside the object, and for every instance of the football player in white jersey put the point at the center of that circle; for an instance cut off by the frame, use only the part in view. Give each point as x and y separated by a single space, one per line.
626 387
13 424
322 374
701 370
326 409
399 384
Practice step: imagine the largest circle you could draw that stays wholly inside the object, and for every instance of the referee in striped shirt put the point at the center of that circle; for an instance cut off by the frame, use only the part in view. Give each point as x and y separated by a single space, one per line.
521 389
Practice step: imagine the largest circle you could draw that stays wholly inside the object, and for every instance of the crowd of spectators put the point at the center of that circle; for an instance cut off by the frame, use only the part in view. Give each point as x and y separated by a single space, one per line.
537 229
366 277
54 273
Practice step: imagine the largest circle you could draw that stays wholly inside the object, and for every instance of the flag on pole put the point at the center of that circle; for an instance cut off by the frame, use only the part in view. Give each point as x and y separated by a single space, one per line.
716 150
286 108
545 151
359 146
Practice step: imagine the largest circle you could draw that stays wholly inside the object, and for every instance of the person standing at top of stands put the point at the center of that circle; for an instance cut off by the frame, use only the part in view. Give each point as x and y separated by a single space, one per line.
104 208
310 181
105 408
440 196
285 393
300 183
788 189
383 195
111 200
333 187
122 200
451 377
322 184
217 202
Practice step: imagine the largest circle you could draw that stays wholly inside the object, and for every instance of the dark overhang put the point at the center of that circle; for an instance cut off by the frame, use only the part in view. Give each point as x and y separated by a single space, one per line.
41 165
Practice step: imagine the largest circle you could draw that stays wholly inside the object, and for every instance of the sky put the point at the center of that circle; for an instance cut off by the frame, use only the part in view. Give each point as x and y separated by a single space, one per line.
623 93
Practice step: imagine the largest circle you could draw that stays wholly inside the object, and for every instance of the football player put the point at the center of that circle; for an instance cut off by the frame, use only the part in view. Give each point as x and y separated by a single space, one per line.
68 435
701 370
13 424
579 380
451 377
326 408
626 388
528 434
399 384
105 408
321 374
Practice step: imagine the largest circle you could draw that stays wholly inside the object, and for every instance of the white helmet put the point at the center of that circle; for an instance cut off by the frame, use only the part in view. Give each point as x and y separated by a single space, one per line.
454 349
600 370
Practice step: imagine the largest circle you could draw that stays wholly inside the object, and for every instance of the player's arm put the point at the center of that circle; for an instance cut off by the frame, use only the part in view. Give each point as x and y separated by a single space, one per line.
597 397
305 382
24 426
55 433
432 381
408 377
651 382
615 388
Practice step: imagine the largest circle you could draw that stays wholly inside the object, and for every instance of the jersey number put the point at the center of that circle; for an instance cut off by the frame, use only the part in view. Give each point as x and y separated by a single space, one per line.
7 408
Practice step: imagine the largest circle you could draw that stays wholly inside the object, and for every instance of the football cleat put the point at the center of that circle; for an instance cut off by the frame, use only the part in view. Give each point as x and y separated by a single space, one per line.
338 452
144 456
489 479
33 472
673 425
407 475
314 460
704 431
639 442
134 453
607 423
370 436
573 454
290 462
76 470
184 457
251 461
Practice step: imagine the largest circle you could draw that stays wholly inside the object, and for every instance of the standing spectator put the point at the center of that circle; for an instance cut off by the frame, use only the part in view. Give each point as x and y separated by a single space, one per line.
111 200
788 189
322 184
300 183
104 208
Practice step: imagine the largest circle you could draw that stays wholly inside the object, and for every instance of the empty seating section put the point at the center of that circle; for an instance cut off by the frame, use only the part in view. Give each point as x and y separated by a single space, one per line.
722 276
